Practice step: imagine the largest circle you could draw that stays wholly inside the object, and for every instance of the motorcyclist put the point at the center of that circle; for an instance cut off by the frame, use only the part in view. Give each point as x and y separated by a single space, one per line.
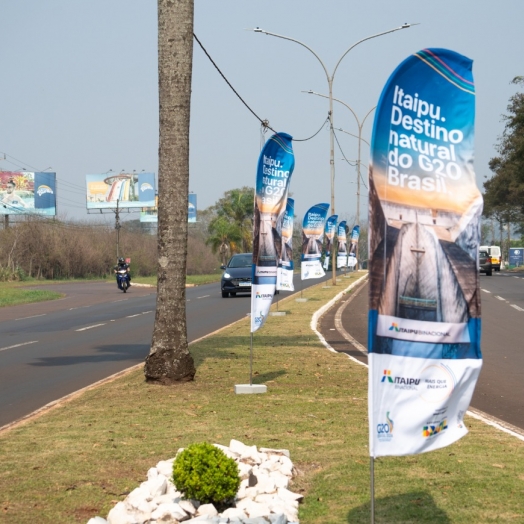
122 265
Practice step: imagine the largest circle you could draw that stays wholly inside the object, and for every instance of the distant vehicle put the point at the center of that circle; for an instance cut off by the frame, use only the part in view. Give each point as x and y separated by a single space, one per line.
485 265
495 255
237 275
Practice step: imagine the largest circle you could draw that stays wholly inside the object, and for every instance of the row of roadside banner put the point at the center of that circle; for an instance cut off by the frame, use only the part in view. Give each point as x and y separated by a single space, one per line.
424 352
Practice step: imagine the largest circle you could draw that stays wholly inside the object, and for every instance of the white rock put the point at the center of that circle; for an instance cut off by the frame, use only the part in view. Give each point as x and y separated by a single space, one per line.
157 486
272 451
165 467
244 470
227 451
235 446
187 506
138 495
280 480
167 512
253 509
152 473
278 519
286 495
97 520
266 484
119 515
207 509
255 520
234 513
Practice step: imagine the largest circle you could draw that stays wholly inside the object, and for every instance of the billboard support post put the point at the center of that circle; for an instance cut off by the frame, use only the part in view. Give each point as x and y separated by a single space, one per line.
117 227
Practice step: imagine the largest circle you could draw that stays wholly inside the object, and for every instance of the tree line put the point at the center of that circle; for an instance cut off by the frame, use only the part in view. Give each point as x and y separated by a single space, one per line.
504 191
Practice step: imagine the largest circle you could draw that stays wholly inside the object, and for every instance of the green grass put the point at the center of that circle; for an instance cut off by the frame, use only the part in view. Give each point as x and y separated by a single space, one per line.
12 296
79 459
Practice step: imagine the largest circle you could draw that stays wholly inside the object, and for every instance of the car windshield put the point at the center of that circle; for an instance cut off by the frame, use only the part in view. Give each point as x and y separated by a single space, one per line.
484 254
241 261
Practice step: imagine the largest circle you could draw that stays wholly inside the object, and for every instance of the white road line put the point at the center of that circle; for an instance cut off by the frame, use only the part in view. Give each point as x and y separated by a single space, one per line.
90 327
485 290
33 316
516 277
500 298
516 307
121 300
18 345
133 316
79 307
205 296
146 312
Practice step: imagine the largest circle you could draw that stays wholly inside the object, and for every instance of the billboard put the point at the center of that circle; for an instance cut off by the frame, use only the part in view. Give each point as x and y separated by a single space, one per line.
516 256
25 193
104 191
150 214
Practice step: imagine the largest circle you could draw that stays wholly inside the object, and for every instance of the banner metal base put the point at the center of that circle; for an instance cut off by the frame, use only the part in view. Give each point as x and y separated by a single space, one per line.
250 388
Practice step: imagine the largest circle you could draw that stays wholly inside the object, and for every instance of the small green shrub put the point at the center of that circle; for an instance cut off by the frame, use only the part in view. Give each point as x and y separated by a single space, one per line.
205 473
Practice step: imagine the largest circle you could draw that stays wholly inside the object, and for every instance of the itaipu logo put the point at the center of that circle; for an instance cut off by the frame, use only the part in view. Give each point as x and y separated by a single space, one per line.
42 190
395 327
146 186
400 382
433 429
385 429
264 296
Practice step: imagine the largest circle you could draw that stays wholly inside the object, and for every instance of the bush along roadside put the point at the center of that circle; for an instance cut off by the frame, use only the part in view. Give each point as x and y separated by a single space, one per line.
262 475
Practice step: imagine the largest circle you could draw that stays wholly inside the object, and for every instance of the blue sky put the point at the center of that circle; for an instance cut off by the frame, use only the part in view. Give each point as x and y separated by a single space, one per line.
79 85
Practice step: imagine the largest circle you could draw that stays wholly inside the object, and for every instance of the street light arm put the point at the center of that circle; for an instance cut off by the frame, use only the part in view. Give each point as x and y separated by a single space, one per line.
404 26
258 30
356 136
369 112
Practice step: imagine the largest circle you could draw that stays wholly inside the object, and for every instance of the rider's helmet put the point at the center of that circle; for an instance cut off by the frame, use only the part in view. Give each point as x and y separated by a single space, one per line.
121 260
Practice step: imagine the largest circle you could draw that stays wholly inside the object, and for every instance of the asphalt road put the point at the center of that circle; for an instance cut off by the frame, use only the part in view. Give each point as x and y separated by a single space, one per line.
51 349
500 388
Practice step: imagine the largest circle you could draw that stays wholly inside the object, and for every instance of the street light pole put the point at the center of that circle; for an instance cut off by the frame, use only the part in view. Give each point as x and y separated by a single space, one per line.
330 79
360 125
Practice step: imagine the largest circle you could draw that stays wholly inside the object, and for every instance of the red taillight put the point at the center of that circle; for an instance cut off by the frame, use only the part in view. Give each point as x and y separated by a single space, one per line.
488 260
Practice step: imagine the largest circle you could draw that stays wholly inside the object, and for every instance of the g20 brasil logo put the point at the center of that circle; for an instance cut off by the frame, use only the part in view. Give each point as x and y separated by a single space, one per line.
385 429
145 186
42 190
430 430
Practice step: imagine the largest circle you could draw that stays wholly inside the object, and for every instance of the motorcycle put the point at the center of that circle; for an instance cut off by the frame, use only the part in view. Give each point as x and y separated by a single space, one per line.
122 279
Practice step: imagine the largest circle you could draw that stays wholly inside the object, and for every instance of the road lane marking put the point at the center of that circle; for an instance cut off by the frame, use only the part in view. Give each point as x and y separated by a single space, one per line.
516 307
32 316
121 300
146 312
79 307
485 290
133 316
18 345
205 296
90 327
500 298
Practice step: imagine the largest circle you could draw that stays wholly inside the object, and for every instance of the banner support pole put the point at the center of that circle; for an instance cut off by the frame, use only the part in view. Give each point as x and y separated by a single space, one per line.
251 361
372 477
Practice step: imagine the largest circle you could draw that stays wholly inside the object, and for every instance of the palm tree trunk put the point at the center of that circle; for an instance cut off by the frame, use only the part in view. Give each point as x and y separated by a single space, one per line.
169 360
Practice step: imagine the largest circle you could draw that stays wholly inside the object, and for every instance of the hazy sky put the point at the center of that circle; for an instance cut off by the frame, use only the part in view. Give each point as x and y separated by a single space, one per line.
79 85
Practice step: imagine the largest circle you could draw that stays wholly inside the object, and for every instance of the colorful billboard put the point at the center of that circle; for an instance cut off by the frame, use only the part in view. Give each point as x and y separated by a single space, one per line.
331 226
104 191
353 243
24 193
342 250
424 232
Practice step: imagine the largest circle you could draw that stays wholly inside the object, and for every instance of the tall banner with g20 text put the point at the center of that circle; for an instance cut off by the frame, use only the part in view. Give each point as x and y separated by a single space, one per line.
285 262
275 167
353 243
329 232
424 229
342 250
312 240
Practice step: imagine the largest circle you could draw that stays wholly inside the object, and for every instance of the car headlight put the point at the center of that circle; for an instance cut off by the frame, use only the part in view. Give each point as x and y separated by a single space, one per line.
227 275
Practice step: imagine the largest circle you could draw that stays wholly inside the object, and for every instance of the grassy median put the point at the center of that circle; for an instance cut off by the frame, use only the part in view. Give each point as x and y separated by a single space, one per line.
80 458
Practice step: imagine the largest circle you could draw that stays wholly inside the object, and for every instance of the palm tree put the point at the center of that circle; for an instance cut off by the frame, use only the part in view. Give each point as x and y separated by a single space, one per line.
169 360
223 233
